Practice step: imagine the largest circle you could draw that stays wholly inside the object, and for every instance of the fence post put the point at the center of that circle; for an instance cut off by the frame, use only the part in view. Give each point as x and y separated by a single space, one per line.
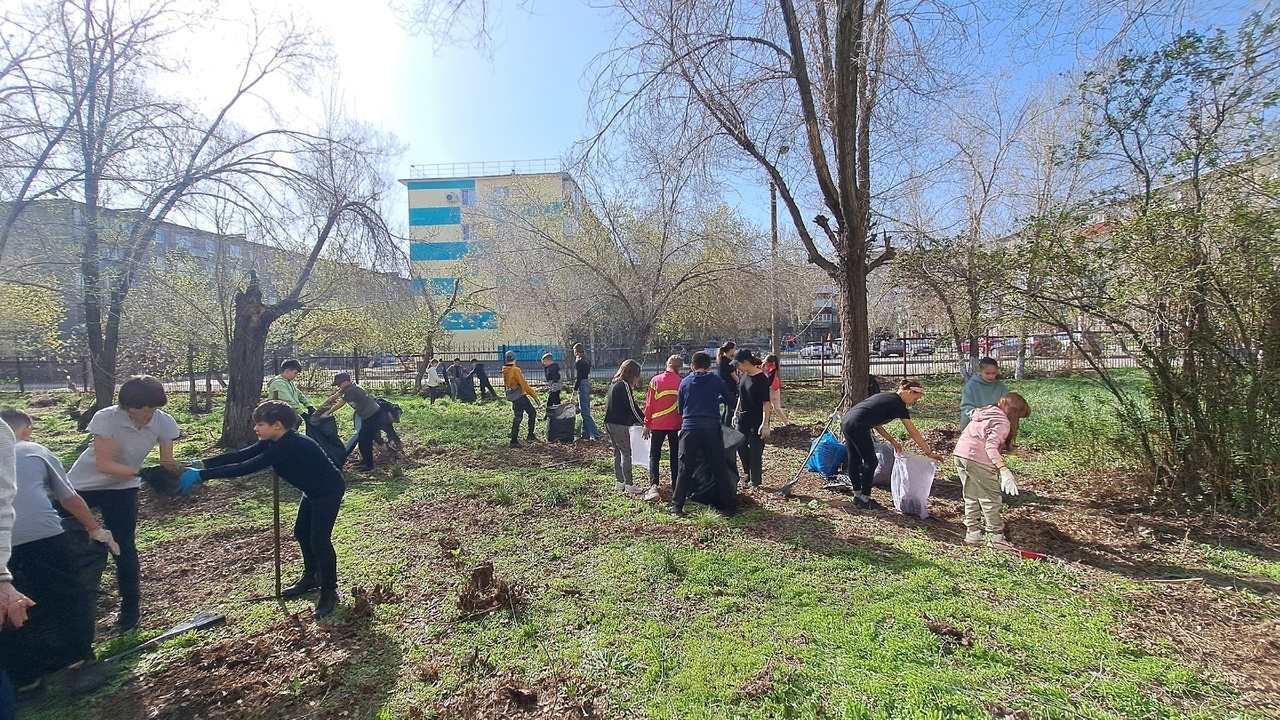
191 377
22 386
904 357
355 360
822 367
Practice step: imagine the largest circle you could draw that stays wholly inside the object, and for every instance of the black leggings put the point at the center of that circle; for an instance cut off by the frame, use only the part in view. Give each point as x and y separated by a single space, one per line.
655 453
120 515
862 456
314 532
751 451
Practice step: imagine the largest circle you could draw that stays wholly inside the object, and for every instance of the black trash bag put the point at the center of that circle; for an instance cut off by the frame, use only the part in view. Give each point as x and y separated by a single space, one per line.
466 389
324 431
560 422
160 479
715 488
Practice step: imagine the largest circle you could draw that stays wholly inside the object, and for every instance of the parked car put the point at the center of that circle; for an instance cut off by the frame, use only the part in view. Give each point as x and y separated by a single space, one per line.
920 347
814 351
894 346
984 345
375 361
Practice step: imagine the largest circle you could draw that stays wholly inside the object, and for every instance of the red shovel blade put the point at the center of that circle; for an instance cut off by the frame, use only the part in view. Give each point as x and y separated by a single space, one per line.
1025 554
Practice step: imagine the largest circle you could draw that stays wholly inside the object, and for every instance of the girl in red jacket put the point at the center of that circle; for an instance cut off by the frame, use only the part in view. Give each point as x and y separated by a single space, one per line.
775 394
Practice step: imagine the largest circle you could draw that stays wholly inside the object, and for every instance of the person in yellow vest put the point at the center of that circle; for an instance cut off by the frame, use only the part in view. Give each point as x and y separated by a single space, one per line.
662 422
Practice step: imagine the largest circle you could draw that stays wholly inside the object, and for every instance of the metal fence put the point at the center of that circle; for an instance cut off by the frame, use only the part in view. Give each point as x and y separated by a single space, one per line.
899 357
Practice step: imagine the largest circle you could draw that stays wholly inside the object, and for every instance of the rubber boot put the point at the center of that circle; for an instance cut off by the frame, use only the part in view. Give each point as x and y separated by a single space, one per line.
327 603
304 585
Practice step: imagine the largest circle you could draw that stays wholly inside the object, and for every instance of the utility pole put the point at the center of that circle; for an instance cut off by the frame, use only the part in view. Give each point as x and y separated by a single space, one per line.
773 260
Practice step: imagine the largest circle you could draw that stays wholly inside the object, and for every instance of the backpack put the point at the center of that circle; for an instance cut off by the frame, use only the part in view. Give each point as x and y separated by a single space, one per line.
392 410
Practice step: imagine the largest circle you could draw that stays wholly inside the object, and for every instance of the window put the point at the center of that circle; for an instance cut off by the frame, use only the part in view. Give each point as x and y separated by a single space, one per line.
502 193
469 197
234 251
467 234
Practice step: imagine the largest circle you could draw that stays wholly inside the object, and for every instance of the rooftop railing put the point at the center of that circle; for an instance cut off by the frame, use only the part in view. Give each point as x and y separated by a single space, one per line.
485 169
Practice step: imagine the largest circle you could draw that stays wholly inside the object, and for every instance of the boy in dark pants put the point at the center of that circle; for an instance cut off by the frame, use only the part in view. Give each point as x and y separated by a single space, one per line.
299 461
518 392
701 443
373 419
554 382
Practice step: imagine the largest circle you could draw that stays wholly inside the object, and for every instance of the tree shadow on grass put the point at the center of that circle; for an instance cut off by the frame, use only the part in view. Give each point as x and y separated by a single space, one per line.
817 535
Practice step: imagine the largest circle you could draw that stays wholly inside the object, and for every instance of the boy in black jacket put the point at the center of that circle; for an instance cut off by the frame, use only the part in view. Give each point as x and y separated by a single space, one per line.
299 461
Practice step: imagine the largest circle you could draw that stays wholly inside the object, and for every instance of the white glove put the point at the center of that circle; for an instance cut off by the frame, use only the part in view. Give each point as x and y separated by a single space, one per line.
103 536
1007 485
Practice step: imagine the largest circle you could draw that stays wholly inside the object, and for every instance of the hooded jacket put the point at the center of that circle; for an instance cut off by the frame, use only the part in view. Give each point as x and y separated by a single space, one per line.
699 399
979 393
660 411
982 437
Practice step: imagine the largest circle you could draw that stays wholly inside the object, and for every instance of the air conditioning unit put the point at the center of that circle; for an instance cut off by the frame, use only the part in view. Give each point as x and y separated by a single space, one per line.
452 198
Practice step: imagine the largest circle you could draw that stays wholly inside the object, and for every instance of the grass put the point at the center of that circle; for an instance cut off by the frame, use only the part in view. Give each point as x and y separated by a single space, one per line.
779 612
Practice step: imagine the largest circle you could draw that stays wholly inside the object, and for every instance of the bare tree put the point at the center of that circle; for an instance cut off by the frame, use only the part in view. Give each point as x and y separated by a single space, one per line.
328 206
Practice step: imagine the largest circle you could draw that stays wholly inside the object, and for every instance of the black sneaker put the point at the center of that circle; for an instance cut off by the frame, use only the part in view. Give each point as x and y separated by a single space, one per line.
515 444
861 504
304 585
678 512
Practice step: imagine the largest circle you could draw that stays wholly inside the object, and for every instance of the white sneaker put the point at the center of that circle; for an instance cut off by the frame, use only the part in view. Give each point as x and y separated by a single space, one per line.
973 537
652 495
633 489
619 487
998 539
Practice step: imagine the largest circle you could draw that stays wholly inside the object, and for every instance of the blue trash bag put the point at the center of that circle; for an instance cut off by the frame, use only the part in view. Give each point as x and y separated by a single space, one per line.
826 455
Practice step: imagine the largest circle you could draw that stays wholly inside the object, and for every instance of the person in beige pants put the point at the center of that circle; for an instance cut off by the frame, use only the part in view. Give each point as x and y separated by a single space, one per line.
983 474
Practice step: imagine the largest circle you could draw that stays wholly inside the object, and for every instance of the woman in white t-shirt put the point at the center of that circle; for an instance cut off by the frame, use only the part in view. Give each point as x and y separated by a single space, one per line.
106 474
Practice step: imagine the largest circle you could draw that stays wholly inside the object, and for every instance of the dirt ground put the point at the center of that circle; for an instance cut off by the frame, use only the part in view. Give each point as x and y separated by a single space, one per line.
293 667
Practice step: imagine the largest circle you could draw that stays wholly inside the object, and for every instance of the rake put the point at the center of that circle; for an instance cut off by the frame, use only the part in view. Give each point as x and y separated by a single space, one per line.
785 490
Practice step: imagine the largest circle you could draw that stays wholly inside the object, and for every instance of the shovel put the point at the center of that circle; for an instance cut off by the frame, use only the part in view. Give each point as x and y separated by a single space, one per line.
785 490
200 621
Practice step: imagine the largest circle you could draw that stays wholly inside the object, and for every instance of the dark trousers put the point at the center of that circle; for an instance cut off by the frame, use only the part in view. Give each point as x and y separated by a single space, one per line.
314 532
486 389
703 450
862 457
726 417
752 453
672 437
553 397
120 515
520 408
369 429
59 627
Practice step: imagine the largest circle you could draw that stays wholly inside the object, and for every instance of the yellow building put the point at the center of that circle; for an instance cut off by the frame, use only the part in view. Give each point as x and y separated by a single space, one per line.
458 214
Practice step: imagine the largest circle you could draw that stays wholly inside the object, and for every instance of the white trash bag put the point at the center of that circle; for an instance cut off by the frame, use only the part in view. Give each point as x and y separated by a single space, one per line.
639 447
911 484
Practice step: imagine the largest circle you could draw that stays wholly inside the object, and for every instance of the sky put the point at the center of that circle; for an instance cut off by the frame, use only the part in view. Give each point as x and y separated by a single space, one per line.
526 100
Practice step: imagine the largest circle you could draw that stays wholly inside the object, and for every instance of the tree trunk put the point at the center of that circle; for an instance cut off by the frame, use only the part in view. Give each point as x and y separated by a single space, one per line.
248 349
851 278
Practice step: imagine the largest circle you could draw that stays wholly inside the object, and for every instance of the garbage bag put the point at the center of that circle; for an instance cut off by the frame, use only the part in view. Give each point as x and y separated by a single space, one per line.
826 455
884 465
911 484
560 422
639 447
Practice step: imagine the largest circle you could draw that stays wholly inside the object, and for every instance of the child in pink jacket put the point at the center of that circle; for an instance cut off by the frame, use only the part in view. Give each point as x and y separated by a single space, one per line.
983 475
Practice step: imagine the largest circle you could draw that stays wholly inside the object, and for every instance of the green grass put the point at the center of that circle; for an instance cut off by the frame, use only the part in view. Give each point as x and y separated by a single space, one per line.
782 611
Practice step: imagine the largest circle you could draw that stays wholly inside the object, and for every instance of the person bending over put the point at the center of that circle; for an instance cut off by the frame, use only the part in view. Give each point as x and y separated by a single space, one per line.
872 414
299 461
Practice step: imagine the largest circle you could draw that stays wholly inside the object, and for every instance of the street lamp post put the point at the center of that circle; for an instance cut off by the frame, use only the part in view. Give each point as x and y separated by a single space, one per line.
773 258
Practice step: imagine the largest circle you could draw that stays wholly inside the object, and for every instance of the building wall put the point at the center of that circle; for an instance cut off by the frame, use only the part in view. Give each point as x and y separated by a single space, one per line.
452 222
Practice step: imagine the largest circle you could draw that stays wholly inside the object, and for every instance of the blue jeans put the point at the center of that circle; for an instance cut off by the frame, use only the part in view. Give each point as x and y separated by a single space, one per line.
589 429
354 436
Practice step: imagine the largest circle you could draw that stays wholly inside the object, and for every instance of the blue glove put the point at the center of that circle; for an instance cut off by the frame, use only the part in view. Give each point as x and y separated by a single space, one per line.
188 478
